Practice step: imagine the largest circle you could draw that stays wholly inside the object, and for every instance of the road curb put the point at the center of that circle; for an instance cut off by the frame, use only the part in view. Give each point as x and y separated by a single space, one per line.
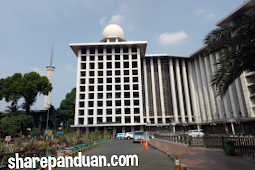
182 166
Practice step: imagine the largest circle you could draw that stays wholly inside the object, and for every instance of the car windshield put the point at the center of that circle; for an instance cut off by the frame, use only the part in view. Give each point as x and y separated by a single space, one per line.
138 133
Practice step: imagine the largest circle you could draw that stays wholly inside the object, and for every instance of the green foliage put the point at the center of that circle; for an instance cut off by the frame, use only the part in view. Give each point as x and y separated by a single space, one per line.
35 131
28 87
15 122
236 43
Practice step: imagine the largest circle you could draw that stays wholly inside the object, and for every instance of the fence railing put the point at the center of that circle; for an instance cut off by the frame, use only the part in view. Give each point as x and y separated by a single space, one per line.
244 146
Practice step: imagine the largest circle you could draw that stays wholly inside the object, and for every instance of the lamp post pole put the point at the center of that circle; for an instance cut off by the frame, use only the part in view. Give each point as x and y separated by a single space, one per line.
47 120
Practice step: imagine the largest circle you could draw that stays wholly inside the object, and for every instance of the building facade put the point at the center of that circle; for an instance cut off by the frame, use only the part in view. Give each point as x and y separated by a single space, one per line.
120 88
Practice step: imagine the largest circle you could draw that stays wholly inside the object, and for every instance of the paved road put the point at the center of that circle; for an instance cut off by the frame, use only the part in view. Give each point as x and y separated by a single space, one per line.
148 159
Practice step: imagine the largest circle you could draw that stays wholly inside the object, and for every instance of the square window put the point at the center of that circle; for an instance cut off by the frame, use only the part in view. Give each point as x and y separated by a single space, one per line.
126 87
127 120
83 73
91 104
125 57
136 102
81 112
84 51
99 119
99 103
136 94
117 95
100 80
117 72
100 57
126 64
109 50
118 102
136 111
81 104
91 81
100 95
108 103
118 111
92 58
82 88
134 49
100 73
83 65
134 56
91 88
82 96
127 102
135 79
109 80
100 50
117 80
81 121
109 65
125 50
90 112
82 81
117 87
117 57
91 73
109 111
109 73
126 72
92 50
135 72
109 87
100 66
99 111
109 57
83 58
92 66
135 86
126 95
127 110
91 95
108 95
134 64
100 88
126 79
90 120
117 50
117 65
109 119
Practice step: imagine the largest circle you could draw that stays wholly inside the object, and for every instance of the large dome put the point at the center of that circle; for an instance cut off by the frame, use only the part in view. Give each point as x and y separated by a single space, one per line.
113 30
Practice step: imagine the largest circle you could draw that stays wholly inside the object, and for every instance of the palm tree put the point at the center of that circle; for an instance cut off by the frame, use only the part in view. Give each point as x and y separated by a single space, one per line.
236 42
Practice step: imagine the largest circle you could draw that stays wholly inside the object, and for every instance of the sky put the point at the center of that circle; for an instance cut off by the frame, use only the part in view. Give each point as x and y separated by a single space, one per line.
29 28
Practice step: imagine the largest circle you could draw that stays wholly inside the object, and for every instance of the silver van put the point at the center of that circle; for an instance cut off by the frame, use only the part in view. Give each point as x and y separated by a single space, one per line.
138 135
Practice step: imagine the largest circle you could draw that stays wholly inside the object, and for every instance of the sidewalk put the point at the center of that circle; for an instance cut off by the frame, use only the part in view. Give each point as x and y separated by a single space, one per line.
198 158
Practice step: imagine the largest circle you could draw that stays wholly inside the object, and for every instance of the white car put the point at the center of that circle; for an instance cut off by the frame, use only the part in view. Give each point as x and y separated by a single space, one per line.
129 135
195 133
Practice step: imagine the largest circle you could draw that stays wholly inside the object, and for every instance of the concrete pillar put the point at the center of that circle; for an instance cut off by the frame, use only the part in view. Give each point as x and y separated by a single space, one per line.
161 92
220 103
146 91
233 99
186 91
123 129
204 87
96 129
193 94
179 86
153 92
132 128
200 90
114 131
173 91
141 128
78 131
240 97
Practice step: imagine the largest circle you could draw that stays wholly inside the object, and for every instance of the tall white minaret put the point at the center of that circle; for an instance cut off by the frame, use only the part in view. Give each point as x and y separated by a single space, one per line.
50 70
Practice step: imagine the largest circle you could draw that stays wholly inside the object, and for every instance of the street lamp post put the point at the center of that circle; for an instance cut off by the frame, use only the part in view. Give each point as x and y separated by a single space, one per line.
47 119
173 124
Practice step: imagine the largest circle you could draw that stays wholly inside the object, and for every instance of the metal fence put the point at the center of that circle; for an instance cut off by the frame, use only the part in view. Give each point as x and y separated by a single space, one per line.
244 146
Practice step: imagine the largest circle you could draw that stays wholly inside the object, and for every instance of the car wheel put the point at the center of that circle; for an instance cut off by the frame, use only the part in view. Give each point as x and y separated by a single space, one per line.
128 138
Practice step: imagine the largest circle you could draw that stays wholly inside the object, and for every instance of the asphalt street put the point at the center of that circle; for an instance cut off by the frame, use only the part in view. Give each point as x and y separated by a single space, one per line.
148 159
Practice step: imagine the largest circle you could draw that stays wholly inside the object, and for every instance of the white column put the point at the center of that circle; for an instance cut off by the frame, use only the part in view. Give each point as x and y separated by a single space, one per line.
218 98
132 128
76 117
186 91
153 92
146 91
193 94
86 89
161 92
113 86
200 90
234 102
95 89
240 98
104 84
140 84
173 91
246 95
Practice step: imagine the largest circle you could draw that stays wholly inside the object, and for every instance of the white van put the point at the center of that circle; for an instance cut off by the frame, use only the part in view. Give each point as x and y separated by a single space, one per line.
195 133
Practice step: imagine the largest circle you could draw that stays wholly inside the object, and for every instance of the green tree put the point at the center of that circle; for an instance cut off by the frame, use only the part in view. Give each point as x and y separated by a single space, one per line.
236 42
67 108
15 122
28 87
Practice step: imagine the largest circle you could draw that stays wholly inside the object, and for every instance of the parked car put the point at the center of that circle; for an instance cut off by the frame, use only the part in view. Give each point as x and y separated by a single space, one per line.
195 133
120 135
129 135
138 135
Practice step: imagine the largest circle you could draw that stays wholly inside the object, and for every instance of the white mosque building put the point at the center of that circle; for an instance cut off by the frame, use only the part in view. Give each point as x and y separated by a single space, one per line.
120 88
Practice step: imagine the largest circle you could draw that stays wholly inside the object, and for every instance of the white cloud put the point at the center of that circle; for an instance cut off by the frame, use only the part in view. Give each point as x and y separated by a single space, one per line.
102 21
70 68
117 19
123 8
172 38
39 71
200 11
210 16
